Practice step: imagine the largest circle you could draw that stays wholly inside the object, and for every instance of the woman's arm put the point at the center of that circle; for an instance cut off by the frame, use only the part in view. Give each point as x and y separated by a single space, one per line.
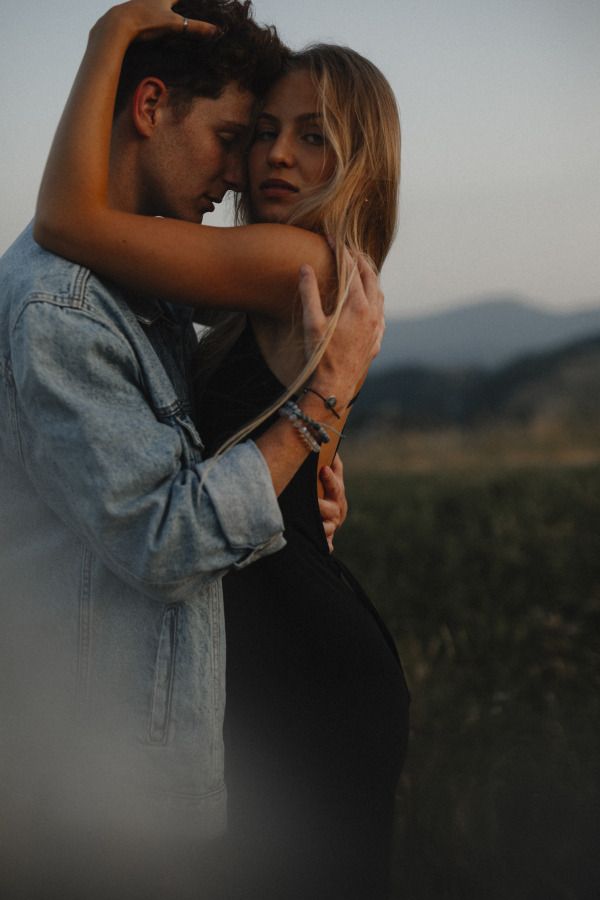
253 268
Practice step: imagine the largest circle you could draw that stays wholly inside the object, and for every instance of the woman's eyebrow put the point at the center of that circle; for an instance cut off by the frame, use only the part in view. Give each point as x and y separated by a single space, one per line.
303 117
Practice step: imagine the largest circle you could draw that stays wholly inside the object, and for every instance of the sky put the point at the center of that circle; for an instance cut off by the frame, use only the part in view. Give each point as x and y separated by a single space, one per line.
500 111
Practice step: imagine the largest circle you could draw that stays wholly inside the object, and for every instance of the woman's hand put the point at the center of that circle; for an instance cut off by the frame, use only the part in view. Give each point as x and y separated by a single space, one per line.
333 506
150 19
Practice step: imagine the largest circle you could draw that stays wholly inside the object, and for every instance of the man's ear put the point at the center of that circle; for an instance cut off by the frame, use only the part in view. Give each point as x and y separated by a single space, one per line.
149 100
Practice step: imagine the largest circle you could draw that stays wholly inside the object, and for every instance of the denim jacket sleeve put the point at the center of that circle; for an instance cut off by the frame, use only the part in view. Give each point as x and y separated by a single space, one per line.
120 476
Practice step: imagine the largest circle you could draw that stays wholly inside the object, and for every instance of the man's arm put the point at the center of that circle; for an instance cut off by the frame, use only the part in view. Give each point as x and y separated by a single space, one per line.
354 343
110 468
102 459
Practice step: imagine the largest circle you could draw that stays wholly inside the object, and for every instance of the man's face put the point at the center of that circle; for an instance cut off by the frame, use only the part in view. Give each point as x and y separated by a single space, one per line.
189 164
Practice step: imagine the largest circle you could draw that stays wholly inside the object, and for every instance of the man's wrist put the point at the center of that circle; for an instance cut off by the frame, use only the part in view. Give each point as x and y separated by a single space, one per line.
312 404
329 387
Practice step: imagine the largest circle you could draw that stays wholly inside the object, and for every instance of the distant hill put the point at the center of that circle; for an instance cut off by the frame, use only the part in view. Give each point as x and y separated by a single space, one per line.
488 334
563 383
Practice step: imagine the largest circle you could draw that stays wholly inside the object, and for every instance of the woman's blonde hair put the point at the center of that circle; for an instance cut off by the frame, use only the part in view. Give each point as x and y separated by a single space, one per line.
358 206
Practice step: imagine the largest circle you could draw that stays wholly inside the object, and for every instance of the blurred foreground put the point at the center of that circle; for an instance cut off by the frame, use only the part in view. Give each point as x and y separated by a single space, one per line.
482 551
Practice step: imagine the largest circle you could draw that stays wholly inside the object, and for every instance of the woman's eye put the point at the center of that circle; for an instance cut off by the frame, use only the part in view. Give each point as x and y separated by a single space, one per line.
266 135
314 138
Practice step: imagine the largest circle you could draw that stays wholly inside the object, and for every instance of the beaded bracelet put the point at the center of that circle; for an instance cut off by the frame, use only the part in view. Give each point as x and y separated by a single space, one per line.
302 430
319 429
293 412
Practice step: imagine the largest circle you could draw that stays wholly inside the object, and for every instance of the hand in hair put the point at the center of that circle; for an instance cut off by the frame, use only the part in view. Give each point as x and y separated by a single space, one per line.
152 19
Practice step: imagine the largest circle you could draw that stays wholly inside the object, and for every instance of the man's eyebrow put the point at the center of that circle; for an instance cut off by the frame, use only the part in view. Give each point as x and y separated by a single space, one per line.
304 117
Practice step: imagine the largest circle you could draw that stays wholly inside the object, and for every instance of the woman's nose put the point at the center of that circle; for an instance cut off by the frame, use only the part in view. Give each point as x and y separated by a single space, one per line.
281 152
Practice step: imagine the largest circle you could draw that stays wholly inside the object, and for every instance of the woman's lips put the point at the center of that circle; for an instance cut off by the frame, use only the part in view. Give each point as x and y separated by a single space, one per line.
277 187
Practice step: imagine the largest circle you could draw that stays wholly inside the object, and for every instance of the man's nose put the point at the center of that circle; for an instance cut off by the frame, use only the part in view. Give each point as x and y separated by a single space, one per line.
237 172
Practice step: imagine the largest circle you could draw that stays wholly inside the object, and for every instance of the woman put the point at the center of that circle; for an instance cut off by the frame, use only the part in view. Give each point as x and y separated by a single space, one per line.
317 705
315 721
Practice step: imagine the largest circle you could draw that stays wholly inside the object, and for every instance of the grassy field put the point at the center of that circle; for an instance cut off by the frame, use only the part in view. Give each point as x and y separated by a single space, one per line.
489 578
544 442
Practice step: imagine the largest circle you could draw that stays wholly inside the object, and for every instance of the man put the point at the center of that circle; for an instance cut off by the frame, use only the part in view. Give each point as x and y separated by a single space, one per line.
110 553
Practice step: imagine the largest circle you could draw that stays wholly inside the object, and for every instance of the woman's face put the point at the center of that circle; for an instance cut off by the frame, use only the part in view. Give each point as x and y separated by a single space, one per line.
289 154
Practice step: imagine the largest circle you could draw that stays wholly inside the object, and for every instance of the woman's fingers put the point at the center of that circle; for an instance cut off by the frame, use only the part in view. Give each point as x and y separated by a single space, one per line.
194 27
337 467
330 512
329 526
155 18
333 506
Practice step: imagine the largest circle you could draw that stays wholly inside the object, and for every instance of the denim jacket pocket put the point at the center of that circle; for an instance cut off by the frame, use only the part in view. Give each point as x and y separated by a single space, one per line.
164 676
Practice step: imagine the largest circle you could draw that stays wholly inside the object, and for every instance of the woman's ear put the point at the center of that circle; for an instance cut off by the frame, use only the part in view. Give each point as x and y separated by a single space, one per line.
150 98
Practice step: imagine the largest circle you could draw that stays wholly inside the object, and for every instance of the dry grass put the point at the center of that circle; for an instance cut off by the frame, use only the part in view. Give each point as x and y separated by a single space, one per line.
543 443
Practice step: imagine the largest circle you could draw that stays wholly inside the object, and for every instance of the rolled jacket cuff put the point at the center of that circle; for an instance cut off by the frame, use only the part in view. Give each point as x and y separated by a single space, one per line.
241 491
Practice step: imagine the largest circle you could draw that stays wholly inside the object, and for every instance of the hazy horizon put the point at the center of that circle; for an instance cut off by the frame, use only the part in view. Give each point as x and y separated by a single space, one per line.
501 136
459 304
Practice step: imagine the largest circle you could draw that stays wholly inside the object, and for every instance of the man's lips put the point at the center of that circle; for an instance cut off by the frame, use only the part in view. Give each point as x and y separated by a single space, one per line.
277 187
208 203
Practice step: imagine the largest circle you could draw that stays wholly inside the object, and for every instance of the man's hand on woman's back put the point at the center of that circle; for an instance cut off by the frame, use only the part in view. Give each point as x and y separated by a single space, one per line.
357 336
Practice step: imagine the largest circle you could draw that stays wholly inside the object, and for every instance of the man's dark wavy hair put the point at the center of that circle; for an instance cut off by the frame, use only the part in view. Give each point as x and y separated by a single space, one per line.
190 67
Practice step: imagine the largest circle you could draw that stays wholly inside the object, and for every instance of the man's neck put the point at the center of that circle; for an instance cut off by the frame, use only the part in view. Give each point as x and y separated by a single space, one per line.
125 183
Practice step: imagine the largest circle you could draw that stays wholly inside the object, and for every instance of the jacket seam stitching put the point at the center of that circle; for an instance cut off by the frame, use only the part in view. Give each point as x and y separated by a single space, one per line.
80 285
77 304
216 670
14 426
6 373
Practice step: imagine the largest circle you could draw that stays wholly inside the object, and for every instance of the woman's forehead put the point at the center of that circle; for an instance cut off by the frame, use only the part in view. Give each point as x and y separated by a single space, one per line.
294 94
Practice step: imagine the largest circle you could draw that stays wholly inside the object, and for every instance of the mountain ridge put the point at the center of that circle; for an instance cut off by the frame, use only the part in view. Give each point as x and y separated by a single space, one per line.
562 383
489 334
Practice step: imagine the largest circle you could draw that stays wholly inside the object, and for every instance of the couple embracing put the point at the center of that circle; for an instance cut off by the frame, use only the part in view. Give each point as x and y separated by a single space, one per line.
159 495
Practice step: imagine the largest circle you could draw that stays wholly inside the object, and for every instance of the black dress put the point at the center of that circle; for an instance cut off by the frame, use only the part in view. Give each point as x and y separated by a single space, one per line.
316 721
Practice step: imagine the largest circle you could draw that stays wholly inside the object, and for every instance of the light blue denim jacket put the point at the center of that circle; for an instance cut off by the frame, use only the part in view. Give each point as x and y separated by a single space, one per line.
110 555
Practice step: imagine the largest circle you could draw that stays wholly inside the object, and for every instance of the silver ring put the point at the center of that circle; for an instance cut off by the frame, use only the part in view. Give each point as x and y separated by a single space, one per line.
184 26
